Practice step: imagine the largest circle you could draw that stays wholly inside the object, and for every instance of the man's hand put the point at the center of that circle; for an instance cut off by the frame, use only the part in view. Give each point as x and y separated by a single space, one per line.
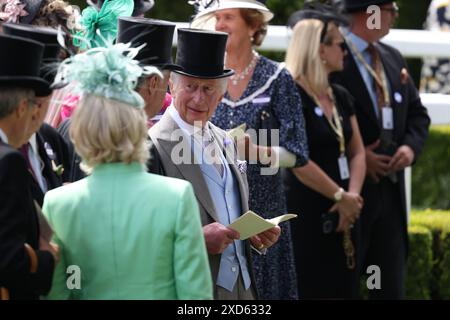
266 239
218 237
403 157
377 164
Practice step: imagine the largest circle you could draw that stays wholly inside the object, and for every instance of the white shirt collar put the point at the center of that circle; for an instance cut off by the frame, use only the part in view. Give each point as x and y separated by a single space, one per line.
187 128
3 136
359 42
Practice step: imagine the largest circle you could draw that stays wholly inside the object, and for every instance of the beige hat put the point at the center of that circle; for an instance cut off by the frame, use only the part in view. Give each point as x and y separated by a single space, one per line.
205 18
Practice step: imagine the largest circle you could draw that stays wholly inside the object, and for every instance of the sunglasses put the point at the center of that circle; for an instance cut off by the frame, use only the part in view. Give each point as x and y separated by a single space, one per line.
342 45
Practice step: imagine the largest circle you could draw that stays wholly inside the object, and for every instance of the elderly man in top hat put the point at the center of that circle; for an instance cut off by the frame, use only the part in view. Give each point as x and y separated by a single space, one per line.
46 151
157 35
26 260
208 160
394 128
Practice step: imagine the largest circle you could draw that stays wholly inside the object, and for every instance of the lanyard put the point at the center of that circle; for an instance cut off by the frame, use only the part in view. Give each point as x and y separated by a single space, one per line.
335 122
381 82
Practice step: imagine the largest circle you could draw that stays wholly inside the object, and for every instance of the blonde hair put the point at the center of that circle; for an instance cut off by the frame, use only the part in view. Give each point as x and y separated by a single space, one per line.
303 55
106 131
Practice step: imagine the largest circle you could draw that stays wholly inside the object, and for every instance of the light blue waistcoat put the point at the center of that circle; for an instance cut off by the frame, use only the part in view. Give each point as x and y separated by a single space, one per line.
225 194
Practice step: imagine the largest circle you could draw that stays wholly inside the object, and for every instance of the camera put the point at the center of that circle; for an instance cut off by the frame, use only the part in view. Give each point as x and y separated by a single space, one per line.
330 221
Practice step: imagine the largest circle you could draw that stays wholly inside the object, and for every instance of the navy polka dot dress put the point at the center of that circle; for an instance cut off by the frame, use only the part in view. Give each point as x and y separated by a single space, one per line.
271 105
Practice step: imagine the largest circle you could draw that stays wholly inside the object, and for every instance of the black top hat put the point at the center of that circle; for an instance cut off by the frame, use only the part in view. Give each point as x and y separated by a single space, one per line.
20 61
32 7
201 53
158 36
48 37
361 5
316 10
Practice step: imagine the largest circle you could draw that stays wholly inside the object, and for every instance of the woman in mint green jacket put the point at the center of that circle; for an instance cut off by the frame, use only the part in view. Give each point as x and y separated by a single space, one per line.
122 233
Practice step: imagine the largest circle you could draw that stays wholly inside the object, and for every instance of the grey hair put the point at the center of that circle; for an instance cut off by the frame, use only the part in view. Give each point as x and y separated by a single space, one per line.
143 80
221 82
10 98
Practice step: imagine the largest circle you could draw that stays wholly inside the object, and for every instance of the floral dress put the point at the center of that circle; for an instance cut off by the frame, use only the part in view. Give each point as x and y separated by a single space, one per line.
271 105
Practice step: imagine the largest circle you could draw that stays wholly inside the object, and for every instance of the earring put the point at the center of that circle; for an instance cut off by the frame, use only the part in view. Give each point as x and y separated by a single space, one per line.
324 61
252 39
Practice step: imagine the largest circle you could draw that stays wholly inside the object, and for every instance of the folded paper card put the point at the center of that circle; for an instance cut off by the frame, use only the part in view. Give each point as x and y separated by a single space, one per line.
238 132
250 224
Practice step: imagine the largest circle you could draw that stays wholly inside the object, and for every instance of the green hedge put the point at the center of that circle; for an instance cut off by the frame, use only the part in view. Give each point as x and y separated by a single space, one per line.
428 266
420 261
438 222
431 174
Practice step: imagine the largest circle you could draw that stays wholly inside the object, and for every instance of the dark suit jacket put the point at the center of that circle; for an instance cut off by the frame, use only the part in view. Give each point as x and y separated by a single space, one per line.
51 146
19 225
161 163
75 172
411 119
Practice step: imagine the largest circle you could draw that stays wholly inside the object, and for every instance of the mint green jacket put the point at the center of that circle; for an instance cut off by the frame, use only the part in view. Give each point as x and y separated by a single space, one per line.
133 235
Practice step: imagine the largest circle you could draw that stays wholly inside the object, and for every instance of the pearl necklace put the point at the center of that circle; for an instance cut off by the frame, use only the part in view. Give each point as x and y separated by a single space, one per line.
240 76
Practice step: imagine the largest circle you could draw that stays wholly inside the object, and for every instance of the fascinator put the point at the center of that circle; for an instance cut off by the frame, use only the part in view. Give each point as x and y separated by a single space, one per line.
110 72
101 25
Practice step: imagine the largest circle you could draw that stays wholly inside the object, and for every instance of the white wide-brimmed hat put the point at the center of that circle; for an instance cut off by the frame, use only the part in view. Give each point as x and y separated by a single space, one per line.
205 18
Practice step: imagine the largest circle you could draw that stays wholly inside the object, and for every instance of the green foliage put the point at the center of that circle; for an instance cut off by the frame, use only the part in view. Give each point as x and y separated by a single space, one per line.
428 265
431 174
419 264
438 222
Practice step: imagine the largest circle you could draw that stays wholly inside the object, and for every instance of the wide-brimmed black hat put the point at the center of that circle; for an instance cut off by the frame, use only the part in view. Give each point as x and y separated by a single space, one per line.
316 10
20 62
361 5
201 53
156 34
32 7
48 37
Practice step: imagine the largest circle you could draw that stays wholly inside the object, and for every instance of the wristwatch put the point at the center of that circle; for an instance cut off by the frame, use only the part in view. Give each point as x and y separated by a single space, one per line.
338 195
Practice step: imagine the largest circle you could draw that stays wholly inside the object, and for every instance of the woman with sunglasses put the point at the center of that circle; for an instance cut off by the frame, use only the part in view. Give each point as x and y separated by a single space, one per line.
326 191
